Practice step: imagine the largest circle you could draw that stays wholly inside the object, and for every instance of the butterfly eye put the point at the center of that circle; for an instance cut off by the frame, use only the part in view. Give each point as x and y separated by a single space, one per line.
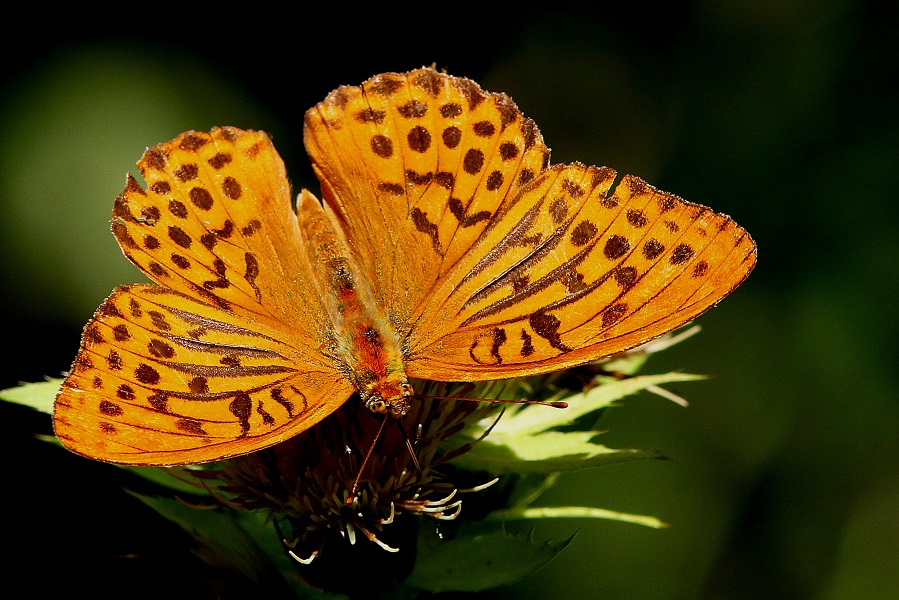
376 405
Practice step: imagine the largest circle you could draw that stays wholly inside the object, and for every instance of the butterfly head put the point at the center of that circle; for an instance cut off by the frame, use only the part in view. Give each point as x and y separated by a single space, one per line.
388 398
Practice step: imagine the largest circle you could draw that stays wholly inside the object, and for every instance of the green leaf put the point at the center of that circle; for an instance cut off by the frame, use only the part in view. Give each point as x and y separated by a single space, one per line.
573 512
545 452
172 478
527 439
478 557
632 361
628 363
39 396
535 418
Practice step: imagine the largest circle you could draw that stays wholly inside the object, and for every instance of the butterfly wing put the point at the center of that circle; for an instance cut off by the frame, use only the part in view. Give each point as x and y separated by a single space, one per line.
223 356
413 167
568 273
491 264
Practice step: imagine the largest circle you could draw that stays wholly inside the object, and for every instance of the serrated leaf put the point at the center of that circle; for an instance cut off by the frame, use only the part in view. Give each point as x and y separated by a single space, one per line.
632 361
478 557
533 418
628 363
545 452
39 396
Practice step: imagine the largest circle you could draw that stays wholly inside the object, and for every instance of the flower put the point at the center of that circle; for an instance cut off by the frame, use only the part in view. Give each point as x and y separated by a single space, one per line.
352 474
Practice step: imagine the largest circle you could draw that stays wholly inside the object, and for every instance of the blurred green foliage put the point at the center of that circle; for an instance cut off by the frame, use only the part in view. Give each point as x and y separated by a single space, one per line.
783 478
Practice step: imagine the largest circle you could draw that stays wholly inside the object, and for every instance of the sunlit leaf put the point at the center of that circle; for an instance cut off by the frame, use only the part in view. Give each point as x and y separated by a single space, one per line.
39 395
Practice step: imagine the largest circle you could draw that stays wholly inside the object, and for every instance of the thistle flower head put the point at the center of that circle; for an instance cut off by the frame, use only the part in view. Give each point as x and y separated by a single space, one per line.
354 475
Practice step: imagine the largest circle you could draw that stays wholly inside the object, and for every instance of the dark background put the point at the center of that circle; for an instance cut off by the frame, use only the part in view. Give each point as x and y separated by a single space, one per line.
783 478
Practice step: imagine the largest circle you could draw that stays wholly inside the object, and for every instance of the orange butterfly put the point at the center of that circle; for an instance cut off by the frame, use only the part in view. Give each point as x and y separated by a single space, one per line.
446 248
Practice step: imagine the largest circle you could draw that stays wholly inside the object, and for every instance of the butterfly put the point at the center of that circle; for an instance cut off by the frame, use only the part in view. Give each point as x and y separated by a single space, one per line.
445 247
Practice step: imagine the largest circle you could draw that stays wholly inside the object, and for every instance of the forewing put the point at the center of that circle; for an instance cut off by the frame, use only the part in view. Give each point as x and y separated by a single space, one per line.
413 167
216 222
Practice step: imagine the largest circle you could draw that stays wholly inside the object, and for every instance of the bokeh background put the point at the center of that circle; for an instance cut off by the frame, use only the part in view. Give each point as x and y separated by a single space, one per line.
783 474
